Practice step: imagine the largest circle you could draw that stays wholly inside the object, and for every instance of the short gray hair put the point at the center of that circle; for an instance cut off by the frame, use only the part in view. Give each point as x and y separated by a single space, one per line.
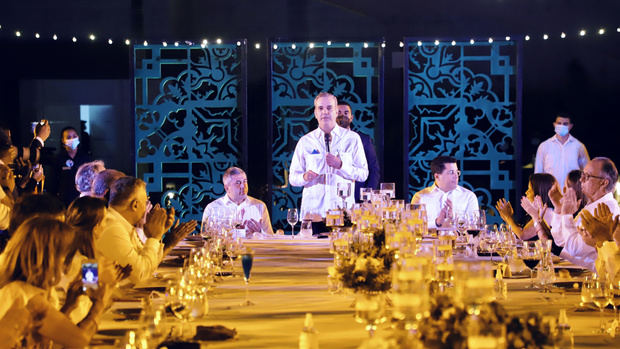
608 168
231 171
325 94
86 174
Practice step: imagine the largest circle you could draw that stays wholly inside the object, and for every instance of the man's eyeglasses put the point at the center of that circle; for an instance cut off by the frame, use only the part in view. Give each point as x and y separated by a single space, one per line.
586 176
452 173
245 181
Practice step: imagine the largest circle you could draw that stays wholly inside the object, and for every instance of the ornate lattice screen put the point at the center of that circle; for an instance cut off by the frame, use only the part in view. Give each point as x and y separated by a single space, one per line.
461 100
350 71
190 121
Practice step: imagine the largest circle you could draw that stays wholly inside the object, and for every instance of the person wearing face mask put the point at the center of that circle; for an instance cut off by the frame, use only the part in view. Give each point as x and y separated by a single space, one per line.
69 158
561 153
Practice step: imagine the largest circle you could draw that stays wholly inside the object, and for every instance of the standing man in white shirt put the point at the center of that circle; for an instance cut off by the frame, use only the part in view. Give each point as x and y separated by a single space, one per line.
561 153
445 197
252 213
325 157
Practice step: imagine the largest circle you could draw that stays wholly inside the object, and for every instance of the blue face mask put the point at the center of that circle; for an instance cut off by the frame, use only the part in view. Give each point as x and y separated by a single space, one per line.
561 130
72 143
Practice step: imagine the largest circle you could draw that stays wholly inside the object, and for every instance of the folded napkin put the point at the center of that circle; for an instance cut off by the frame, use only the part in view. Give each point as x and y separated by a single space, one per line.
179 345
214 333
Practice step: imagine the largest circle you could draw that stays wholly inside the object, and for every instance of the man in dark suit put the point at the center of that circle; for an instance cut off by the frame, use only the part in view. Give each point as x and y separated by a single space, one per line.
344 120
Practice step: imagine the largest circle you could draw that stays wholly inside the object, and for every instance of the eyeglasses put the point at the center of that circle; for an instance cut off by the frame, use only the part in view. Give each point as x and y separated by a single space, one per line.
244 182
452 173
586 176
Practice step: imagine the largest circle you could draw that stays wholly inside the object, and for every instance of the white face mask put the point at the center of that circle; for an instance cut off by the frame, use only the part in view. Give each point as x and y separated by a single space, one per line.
561 130
72 143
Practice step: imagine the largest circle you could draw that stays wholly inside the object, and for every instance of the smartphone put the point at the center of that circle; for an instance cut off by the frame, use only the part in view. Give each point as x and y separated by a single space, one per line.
90 275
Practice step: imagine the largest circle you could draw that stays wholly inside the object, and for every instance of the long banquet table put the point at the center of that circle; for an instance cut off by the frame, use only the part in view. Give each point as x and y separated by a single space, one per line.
289 279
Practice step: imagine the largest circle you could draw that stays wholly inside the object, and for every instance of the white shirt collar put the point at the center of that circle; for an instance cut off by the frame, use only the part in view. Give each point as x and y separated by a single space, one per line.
570 139
40 140
435 188
228 201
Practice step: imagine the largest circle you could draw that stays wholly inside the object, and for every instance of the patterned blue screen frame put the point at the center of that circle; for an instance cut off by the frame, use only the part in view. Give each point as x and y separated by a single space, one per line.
299 71
190 121
463 100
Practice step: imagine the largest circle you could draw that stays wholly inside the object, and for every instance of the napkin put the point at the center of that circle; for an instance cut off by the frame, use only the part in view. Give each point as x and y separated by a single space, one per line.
214 333
179 345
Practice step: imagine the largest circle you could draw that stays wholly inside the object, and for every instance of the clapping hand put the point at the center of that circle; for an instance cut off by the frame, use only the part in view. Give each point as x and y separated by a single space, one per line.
252 226
602 225
504 208
178 233
555 195
569 202
333 161
536 209
156 221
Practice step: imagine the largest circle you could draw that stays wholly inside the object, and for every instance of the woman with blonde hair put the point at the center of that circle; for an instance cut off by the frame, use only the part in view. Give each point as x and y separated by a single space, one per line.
30 267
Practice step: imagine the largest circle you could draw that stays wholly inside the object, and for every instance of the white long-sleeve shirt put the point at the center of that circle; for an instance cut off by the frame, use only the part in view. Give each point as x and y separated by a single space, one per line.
250 208
320 194
119 242
463 201
559 159
565 233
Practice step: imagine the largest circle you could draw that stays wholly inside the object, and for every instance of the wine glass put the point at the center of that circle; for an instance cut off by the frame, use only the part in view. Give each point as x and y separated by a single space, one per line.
247 260
614 297
344 191
389 189
531 254
599 292
291 218
369 309
365 194
178 301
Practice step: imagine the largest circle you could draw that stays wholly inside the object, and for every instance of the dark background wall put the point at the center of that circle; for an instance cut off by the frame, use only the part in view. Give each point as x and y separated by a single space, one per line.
577 74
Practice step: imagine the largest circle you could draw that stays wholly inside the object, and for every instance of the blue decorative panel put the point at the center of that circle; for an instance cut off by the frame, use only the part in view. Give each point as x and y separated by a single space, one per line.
350 71
190 123
461 101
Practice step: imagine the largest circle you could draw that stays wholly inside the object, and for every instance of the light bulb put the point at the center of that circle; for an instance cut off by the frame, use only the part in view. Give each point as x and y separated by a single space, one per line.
453 43
383 44
527 38
490 40
55 37
563 35
329 43
127 42
401 44
346 44
36 35
91 37
176 44
507 38
145 43
601 31
311 45
471 41
238 43
293 46
110 41
545 37
218 41
257 45
275 46
18 33
74 39
436 42
365 45
419 43
165 44
582 32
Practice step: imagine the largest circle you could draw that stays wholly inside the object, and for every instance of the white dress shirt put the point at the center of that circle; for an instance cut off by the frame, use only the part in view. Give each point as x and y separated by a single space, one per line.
565 233
250 208
608 261
559 159
119 242
320 194
463 201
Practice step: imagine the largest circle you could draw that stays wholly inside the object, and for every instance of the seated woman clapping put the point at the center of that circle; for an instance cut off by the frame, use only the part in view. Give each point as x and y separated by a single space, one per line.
30 267
538 185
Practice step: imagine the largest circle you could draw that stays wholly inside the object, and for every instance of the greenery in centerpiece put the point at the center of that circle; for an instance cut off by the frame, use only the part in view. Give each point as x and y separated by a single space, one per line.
368 267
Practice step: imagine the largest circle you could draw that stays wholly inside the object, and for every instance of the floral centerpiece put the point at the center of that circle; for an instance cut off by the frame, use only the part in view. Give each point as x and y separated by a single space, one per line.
367 268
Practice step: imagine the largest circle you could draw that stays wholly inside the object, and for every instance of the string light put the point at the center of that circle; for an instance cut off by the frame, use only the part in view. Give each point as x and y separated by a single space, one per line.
383 44
145 43
218 41
582 32
127 42
329 43
257 46
601 31
55 37
419 43
401 44
563 35
453 43
293 46
490 40
311 45
527 38
346 44
110 41
18 33
436 42
275 46
471 41
618 29
176 44
365 45
205 41
165 44
238 43
545 36
203 45
36 35
507 38
91 37
74 39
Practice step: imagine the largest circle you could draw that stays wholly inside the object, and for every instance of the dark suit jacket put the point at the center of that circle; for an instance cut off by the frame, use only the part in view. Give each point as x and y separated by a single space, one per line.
374 174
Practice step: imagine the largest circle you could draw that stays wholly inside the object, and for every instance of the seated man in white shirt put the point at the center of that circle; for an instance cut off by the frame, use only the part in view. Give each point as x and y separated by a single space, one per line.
250 214
598 181
118 240
445 197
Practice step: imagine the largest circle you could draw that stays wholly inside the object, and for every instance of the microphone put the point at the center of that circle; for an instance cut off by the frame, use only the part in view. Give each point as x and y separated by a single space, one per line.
328 138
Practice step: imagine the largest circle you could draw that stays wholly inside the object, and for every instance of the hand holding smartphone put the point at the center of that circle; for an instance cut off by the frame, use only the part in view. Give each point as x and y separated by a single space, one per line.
90 275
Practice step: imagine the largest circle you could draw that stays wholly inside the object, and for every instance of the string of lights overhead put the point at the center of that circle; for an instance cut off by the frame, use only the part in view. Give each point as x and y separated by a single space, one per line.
91 37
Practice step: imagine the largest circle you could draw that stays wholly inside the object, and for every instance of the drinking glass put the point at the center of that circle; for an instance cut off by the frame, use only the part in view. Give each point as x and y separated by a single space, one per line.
334 218
599 292
365 194
531 254
614 298
369 309
586 293
178 301
344 191
389 189
247 259
291 218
